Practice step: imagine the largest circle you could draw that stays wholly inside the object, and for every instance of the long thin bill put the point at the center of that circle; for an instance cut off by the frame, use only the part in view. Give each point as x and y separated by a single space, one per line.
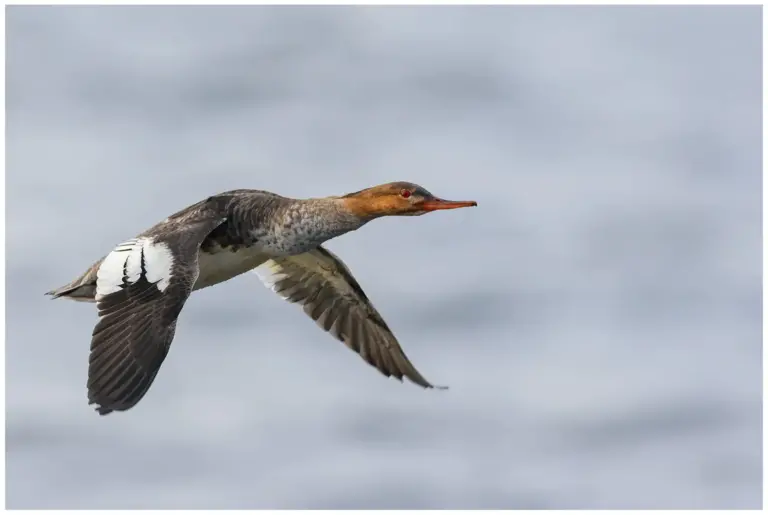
438 203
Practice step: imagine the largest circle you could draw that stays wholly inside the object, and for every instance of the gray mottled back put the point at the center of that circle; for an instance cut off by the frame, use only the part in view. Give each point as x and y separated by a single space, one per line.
276 224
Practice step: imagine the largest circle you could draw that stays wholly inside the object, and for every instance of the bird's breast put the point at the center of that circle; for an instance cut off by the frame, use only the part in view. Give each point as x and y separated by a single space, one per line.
218 264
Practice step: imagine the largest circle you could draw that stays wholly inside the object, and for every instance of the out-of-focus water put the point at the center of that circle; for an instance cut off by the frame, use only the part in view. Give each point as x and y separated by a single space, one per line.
598 316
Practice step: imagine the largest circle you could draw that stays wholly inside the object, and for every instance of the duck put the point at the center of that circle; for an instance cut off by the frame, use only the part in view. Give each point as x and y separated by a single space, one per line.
141 286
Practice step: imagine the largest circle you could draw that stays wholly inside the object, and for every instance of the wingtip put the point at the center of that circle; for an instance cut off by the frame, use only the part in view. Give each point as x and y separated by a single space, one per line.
54 294
100 409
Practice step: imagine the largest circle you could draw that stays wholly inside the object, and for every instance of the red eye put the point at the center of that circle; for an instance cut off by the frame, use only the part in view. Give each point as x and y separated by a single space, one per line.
405 193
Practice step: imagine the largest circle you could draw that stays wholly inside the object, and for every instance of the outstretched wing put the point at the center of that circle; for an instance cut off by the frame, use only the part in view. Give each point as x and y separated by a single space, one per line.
324 286
141 287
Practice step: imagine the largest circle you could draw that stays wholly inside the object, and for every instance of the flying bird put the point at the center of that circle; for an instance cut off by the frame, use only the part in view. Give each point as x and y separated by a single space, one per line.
141 286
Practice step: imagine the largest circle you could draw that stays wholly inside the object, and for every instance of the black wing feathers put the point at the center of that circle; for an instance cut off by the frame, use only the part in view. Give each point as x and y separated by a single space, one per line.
137 322
329 294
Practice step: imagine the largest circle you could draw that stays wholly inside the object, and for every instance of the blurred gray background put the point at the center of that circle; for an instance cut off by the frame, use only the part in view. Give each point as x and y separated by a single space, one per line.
598 316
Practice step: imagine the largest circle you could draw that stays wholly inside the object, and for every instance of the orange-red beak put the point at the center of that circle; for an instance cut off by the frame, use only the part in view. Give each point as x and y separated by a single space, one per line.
435 203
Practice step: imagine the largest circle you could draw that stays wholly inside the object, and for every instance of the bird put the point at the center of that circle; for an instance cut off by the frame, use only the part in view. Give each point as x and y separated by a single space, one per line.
141 286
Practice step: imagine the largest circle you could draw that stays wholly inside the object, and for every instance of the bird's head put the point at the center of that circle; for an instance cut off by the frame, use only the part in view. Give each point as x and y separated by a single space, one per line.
398 199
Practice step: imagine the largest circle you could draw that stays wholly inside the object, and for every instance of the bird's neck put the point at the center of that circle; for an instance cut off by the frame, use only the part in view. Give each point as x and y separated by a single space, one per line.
310 222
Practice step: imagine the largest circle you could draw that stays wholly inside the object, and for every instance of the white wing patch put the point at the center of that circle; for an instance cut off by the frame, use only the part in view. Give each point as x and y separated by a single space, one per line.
158 260
124 264
270 273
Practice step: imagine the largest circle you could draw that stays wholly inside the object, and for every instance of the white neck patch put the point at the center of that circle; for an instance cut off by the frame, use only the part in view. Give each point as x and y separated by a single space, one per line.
123 266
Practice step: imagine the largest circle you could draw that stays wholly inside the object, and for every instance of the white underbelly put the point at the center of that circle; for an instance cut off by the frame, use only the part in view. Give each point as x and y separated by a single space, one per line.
224 264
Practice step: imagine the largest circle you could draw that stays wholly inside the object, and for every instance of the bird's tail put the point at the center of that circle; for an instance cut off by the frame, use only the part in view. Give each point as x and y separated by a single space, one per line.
82 289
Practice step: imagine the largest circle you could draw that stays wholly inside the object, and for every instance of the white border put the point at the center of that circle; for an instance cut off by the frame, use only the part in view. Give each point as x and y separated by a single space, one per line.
765 268
2 266
348 2
386 2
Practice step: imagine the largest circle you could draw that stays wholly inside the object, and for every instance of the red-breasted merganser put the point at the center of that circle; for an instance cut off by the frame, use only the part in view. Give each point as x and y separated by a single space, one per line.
141 286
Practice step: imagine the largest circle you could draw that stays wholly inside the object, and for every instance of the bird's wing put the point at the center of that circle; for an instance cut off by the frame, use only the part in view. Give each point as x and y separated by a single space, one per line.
141 287
324 286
